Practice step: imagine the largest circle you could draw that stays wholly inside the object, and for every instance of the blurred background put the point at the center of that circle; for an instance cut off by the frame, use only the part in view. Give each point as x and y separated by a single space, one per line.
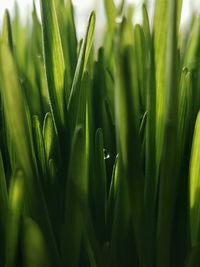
84 7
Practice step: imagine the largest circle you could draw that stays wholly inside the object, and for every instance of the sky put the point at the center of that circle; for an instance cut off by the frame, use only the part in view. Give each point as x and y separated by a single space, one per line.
83 8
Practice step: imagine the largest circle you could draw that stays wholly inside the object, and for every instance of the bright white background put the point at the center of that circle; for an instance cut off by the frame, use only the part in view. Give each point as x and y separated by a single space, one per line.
83 8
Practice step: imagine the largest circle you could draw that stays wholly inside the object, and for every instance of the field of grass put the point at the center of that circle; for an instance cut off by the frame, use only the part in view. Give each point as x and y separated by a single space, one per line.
100 149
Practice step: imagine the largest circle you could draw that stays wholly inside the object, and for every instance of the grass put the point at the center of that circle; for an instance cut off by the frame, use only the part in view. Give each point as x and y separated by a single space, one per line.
100 149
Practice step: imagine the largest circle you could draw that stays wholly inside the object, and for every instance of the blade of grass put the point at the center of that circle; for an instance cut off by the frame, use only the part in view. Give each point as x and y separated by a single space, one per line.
7 31
169 176
193 258
14 100
49 135
16 194
111 13
160 45
19 125
151 179
112 195
100 190
195 186
127 115
3 209
34 244
54 60
76 199
39 149
122 231
80 68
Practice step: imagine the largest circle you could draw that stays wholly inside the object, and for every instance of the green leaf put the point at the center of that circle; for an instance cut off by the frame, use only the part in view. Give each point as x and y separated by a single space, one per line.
169 171
127 115
49 135
18 123
71 39
16 194
3 209
15 110
161 26
81 108
184 109
112 195
111 13
193 258
91 244
76 201
39 147
151 179
3 195
7 31
54 60
141 58
100 187
122 231
195 186
80 68
35 253
193 44
146 25
103 107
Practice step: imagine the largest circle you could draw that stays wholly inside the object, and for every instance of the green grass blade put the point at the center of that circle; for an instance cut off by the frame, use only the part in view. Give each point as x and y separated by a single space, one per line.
104 139
19 125
72 39
127 118
112 195
122 230
13 100
35 253
160 46
80 68
7 31
184 109
160 28
3 194
3 209
100 188
49 135
54 60
194 258
169 167
194 186
39 148
141 58
146 24
192 51
111 13
103 95
81 108
151 179
16 194
76 199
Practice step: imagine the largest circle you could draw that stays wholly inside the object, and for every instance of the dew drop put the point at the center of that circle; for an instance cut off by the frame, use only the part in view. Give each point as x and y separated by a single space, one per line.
118 20
106 154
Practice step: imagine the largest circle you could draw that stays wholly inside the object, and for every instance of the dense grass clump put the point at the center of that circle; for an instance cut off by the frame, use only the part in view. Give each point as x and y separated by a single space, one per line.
100 150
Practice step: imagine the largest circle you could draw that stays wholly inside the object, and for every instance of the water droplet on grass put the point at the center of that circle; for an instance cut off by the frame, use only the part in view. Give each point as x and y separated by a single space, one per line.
106 154
118 20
